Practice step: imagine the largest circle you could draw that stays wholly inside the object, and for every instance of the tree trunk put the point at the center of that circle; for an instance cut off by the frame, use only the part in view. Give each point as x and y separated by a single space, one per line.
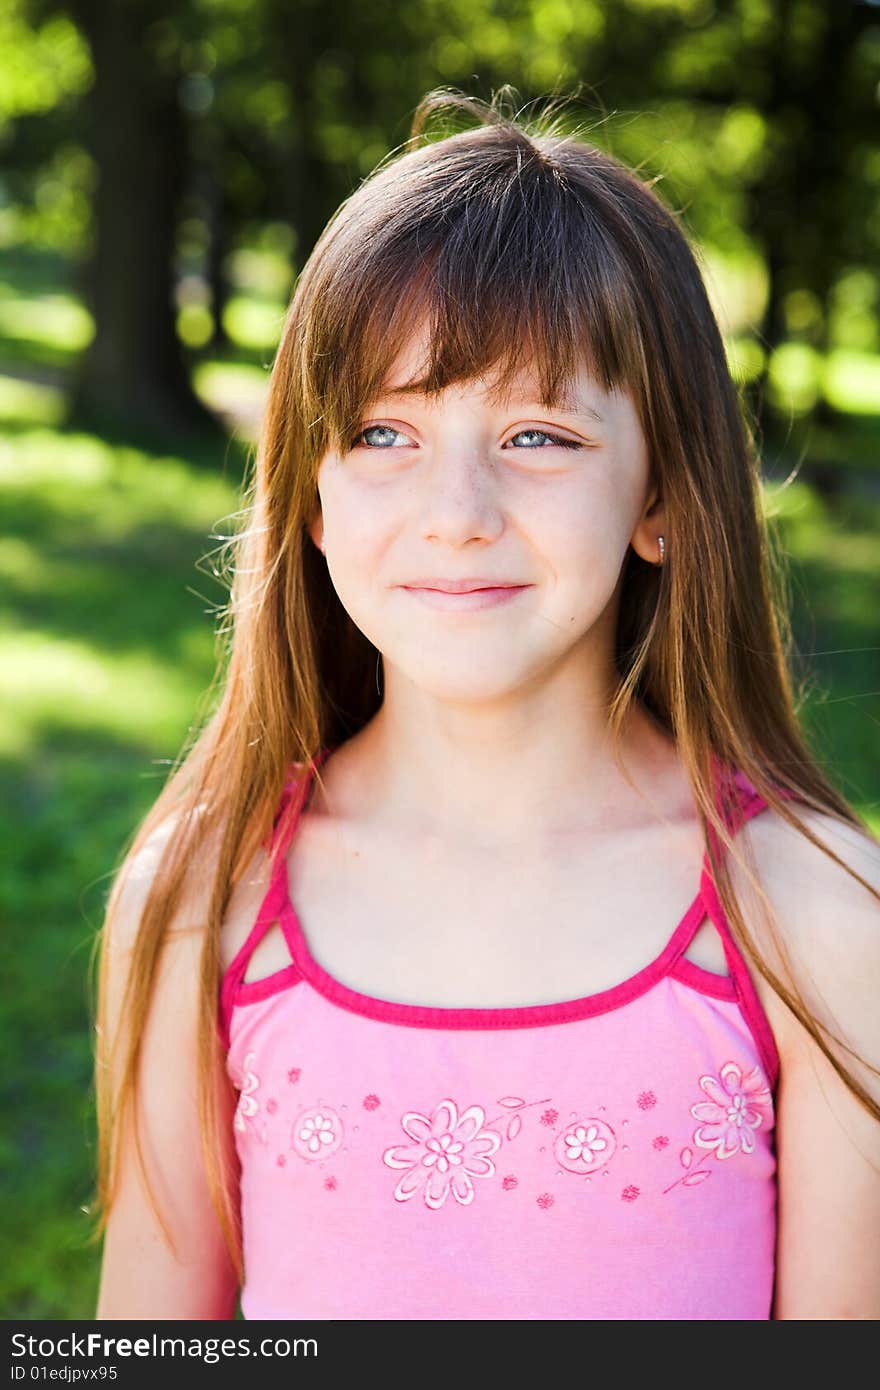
134 375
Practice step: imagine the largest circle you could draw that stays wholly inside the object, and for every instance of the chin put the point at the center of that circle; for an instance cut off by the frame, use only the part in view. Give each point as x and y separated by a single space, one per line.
467 687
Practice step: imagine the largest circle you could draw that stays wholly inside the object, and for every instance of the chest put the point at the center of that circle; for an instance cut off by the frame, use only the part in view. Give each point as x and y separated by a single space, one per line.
489 928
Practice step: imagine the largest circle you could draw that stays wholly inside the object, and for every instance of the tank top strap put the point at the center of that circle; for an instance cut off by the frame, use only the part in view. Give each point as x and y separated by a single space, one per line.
294 795
739 801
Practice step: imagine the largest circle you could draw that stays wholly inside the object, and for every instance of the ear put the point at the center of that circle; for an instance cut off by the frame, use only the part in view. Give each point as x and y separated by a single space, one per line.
315 528
651 524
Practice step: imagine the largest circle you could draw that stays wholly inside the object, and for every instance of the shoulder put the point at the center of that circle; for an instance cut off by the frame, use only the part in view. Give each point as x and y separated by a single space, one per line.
826 916
825 931
827 922
786 853
138 874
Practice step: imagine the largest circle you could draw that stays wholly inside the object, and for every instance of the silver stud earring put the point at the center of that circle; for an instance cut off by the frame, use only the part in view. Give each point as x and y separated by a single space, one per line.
662 545
323 546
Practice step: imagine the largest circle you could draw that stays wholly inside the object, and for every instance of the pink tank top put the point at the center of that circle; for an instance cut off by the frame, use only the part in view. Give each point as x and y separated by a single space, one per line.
610 1156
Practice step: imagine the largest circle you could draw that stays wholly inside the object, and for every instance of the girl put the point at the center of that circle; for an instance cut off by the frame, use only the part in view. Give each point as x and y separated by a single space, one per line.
498 949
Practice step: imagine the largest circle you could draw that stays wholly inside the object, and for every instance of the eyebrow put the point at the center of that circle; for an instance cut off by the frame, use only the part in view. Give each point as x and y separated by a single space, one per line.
569 404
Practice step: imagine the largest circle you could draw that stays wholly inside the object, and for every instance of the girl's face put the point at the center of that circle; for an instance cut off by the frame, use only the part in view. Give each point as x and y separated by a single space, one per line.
460 492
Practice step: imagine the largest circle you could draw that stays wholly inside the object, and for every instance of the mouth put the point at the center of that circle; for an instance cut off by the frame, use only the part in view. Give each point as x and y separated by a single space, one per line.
465 600
462 586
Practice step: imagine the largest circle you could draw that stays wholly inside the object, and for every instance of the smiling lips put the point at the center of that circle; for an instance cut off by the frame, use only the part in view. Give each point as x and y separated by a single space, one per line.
461 586
464 595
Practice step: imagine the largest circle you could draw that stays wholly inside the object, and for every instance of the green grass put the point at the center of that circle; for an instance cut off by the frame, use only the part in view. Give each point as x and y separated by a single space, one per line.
107 641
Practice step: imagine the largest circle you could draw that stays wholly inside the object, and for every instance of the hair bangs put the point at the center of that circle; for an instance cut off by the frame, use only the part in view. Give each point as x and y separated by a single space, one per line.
511 275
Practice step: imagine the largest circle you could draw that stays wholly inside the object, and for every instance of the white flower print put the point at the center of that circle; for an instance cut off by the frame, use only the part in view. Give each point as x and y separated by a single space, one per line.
247 1105
316 1130
448 1152
738 1105
317 1133
585 1145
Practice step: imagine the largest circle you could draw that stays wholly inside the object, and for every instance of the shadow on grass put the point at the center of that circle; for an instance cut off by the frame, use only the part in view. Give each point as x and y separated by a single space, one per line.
73 809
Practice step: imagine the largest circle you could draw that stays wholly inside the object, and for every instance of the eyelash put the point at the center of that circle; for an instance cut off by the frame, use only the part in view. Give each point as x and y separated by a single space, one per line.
556 438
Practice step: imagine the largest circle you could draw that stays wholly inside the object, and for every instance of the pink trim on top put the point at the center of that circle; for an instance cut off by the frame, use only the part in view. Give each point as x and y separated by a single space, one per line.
520 1016
305 966
749 1000
233 987
278 906
687 972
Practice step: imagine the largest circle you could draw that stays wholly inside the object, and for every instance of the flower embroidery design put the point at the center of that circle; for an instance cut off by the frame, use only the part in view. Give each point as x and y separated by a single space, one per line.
448 1151
247 1106
584 1146
738 1105
317 1133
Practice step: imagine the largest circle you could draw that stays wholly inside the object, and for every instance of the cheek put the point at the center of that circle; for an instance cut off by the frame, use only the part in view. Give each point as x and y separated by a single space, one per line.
584 532
361 517
362 521
584 539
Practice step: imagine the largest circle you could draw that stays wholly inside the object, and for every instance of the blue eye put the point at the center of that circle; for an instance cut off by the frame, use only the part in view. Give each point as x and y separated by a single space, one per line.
372 429
556 439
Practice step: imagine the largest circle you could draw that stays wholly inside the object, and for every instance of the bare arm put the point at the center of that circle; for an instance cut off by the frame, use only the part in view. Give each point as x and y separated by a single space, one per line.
140 1276
828 1145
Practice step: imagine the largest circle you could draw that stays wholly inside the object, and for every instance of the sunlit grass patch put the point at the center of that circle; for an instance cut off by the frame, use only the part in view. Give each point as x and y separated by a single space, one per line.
47 683
29 402
108 489
54 319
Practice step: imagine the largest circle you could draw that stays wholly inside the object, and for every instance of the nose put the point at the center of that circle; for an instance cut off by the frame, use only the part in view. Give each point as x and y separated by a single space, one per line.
459 499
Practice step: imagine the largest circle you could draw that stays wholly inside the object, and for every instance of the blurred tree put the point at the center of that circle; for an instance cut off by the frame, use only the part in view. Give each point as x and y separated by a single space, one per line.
811 210
134 372
208 119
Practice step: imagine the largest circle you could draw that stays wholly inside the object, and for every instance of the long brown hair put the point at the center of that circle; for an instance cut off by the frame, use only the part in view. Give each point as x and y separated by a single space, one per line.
525 245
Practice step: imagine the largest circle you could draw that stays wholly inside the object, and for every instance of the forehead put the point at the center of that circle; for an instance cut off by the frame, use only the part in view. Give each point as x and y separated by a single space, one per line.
569 401
580 394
